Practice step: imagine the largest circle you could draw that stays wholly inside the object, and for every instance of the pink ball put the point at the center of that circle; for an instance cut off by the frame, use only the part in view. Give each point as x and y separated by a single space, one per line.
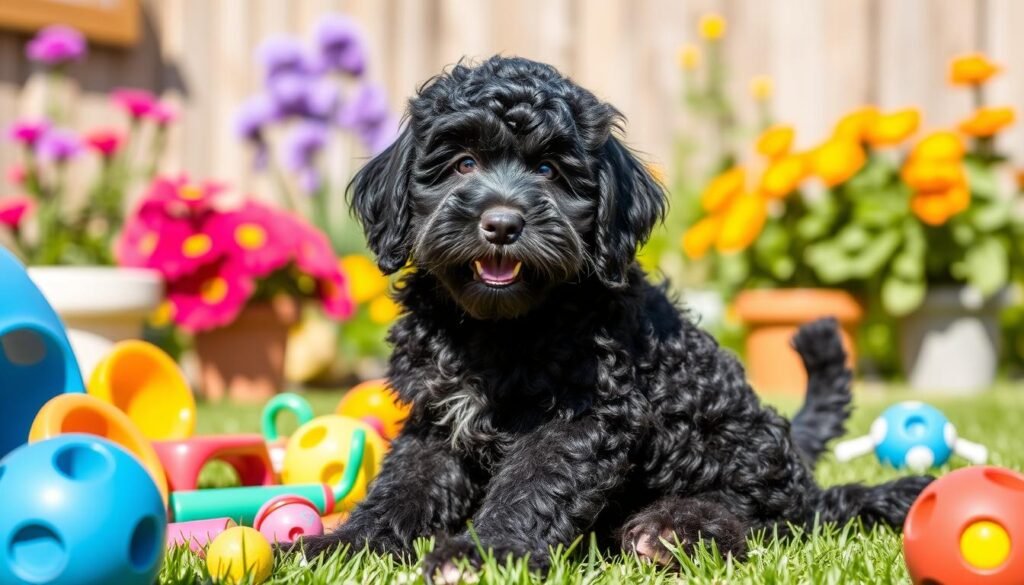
286 518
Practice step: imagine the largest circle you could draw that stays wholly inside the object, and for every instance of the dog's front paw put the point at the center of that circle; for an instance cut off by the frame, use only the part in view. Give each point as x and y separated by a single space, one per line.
458 559
683 522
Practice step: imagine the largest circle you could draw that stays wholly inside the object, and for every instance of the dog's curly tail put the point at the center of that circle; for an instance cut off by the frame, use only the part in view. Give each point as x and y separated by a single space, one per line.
827 406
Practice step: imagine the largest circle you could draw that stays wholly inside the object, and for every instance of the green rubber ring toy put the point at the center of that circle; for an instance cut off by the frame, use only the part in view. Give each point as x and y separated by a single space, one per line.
293 403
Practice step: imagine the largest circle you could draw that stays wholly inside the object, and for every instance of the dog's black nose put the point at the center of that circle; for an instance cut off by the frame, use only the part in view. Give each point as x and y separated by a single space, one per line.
501 225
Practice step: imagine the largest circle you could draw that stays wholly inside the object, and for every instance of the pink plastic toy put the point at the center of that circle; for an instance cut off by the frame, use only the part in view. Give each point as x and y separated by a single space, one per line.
285 518
196 534
183 459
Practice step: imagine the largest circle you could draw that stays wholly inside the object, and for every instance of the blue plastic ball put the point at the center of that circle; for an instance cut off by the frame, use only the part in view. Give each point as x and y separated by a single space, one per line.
914 435
79 510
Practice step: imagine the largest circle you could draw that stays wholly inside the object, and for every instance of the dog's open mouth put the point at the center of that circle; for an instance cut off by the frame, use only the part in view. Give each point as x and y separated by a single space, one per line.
497 271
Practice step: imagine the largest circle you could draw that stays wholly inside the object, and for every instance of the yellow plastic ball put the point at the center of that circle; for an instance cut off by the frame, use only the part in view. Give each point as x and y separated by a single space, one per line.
318 453
985 545
374 398
237 552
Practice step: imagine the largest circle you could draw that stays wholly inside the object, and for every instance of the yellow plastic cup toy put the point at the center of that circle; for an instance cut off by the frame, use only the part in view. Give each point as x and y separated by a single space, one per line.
316 454
81 413
144 382
237 552
374 399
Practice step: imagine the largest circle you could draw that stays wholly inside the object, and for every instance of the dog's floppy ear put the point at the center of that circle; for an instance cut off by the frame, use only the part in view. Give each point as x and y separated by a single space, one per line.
380 199
630 203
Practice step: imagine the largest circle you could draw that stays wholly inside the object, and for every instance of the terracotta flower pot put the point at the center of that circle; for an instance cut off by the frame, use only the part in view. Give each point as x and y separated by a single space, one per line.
773 316
244 361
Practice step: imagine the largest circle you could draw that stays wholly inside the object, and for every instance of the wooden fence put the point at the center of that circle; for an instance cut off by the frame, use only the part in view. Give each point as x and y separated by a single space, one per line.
826 56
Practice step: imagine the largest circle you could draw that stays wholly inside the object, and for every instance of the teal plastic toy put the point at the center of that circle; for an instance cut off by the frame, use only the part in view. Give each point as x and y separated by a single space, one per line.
79 510
241 504
36 361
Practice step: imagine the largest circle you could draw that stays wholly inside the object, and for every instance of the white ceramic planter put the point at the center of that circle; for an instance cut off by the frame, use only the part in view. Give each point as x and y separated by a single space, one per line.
99 305
951 343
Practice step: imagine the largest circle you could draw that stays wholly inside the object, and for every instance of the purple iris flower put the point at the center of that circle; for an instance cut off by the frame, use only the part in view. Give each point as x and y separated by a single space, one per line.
322 99
303 144
279 53
255 113
56 45
340 44
58 146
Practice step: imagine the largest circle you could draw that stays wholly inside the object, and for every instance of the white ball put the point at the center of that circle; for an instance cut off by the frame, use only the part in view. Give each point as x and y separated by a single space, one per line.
920 458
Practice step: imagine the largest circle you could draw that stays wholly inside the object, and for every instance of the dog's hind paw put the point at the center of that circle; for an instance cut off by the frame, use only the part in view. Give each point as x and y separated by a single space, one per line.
683 522
458 559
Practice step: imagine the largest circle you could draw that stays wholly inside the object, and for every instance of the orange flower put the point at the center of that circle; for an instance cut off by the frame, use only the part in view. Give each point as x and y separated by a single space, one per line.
742 223
712 27
988 121
775 141
698 239
925 174
689 57
723 189
972 69
761 88
893 128
936 207
837 161
941 145
853 126
783 176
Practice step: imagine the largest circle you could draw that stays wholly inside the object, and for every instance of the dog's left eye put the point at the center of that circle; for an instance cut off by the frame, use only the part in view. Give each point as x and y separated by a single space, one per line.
546 170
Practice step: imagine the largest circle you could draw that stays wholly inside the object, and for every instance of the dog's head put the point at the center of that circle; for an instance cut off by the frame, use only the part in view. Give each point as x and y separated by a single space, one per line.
507 181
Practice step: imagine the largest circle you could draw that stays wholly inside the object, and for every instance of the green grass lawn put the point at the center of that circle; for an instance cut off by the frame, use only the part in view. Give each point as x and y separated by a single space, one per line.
828 555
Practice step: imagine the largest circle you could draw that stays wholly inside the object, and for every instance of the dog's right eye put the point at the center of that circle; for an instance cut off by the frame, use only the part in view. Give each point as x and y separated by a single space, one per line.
466 165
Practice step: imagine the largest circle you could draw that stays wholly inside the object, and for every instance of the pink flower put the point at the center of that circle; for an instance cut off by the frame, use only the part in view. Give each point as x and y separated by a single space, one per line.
211 297
105 141
28 132
14 209
334 297
161 113
314 254
255 237
136 102
181 197
56 45
16 174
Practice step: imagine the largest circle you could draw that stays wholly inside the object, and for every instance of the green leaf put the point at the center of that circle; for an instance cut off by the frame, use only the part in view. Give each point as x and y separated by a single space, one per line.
987 265
878 251
990 216
829 262
901 296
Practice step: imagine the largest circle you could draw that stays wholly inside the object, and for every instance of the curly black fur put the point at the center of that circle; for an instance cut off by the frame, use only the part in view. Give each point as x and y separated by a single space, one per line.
578 398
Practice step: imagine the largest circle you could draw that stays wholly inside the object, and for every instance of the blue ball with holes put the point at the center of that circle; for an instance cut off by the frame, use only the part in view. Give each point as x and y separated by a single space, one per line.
913 435
79 510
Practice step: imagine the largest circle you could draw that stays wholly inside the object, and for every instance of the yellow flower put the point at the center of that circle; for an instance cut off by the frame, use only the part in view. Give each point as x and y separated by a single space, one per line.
941 145
783 176
723 189
712 27
762 88
776 141
689 57
742 223
853 126
925 174
162 315
837 161
383 310
698 239
988 121
365 282
936 207
972 69
893 128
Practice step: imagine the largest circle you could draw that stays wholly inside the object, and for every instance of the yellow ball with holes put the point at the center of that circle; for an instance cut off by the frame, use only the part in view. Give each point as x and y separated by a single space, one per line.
985 545
318 453
237 552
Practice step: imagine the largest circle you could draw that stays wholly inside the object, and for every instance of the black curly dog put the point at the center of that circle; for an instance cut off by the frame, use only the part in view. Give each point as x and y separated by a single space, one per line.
554 391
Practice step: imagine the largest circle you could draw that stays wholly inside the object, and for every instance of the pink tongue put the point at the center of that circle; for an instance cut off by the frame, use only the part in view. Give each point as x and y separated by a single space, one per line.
497 270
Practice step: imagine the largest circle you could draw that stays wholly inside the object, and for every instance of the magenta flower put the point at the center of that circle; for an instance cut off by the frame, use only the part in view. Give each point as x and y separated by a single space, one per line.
105 141
58 146
161 113
14 209
211 297
28 132
334 296
136 102
56 45
313 254
340 44
254 237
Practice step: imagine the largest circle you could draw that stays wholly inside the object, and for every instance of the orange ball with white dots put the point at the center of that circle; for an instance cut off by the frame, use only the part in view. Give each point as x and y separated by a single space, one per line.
968 527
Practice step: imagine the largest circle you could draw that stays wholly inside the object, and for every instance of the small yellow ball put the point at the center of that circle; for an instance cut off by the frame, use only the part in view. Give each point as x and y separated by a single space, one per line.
985 545
237 552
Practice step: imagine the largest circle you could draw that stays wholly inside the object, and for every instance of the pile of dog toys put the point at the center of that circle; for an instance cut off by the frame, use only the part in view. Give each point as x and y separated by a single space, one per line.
98 479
